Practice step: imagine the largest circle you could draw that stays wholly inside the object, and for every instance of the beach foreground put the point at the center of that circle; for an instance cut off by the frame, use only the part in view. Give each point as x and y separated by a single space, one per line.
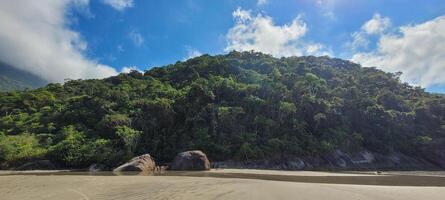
47 186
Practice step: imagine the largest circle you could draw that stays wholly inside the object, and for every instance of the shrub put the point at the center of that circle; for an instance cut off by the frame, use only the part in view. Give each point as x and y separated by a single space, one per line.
17 149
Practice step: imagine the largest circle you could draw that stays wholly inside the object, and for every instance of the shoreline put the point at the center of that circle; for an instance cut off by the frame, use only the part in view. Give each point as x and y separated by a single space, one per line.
215 184
389 178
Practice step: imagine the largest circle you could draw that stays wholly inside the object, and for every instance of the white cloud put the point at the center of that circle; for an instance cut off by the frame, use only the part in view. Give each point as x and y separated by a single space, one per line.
119 5
259 33
34 37
136 37
359 40
262 2
317 50
129 69
416 50
192 52
377 24
242 15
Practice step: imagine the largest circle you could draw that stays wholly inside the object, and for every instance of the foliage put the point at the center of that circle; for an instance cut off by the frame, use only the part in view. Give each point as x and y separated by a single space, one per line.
75 150
129 137
243 105
16 149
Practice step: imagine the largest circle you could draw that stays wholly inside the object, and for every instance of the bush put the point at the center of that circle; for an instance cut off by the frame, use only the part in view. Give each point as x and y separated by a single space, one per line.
76 150
129 137
423 140
17 149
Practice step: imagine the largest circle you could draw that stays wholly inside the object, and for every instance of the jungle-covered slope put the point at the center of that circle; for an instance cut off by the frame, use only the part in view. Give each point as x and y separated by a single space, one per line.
240 106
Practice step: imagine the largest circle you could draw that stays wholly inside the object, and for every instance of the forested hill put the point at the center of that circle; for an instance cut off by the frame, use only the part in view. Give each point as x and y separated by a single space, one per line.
16 79
239 106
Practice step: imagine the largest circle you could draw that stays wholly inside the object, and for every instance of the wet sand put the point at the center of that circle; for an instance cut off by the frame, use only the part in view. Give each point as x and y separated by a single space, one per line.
217 184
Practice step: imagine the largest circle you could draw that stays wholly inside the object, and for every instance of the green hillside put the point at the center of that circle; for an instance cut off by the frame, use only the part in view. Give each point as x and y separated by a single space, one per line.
239 106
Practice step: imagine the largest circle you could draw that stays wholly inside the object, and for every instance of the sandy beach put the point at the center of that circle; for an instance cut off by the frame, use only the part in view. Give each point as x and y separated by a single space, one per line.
76 187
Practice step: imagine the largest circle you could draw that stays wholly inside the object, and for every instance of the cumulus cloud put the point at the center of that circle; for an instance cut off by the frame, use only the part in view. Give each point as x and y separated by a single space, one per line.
34 37
417 50
259 33
317 50
377 25
136 37
119 5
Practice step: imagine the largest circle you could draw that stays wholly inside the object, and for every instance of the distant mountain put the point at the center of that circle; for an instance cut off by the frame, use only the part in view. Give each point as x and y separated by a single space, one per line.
12 78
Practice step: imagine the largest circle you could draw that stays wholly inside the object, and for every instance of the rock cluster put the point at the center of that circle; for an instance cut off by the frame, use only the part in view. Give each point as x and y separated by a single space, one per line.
189 160
339 160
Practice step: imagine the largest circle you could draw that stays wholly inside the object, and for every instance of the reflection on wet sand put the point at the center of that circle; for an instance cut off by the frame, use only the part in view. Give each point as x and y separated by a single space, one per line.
354 178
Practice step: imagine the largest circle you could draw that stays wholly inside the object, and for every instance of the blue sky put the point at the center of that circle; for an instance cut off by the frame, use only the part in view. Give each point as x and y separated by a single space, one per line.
171 28
107 36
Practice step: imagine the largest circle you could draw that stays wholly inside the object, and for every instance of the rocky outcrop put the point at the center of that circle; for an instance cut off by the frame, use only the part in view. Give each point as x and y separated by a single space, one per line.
141 163
190 160
337 160
435 153
37 165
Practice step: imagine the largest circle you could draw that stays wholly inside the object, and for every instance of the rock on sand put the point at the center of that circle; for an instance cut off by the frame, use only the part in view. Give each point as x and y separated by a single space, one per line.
191 160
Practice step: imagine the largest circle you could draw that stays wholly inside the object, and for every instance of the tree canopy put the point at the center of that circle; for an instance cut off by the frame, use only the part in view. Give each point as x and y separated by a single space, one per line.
239 106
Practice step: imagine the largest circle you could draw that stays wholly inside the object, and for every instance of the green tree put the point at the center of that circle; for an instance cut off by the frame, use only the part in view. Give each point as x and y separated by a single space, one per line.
129 137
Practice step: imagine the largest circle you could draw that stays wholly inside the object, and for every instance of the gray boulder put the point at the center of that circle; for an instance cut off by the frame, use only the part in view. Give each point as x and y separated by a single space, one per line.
141 163
190 160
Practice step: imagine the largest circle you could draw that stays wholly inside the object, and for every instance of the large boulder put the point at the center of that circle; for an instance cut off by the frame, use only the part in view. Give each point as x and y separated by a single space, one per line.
141 163
37 165
190 160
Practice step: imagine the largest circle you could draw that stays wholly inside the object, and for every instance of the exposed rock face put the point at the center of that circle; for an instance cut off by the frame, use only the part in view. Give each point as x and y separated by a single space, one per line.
190 160
141 163
435 153
35 165
339 160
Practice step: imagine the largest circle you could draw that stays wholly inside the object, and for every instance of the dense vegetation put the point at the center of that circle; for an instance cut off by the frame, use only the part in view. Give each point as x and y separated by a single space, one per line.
240 106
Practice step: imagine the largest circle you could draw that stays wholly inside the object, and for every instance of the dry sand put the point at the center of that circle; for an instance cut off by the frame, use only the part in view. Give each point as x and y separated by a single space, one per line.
185 187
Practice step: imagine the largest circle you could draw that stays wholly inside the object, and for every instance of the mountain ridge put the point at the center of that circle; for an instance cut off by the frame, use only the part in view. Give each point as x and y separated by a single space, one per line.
12 78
